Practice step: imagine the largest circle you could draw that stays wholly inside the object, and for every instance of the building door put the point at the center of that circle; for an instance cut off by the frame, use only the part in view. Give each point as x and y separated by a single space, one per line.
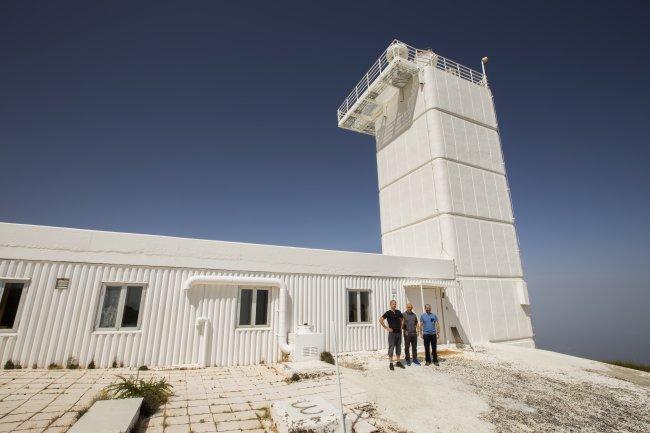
432 296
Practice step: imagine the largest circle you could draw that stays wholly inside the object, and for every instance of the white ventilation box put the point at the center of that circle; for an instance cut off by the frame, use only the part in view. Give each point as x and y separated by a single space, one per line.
307 344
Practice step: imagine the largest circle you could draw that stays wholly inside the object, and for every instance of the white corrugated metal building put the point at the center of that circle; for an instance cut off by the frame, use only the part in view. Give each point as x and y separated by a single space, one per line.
448 239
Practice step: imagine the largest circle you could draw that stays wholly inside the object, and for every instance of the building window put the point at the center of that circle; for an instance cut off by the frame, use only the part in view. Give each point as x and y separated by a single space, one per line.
11 294
253 307
358 306
120 307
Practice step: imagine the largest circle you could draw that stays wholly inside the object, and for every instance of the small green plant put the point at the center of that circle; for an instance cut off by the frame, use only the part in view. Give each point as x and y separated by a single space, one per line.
327 357
72 363
114 364
9 365
295 377
34 366
54 366
103 395
91 365
143 368
154 392
18 366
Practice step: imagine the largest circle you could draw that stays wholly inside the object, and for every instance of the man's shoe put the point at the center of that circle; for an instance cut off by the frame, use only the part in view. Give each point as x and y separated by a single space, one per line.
408 362
391 366
427 363
436 363
399 364
416 362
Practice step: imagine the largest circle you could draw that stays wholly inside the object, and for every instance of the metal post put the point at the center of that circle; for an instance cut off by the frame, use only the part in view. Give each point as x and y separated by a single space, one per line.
422 298
484 60
338 374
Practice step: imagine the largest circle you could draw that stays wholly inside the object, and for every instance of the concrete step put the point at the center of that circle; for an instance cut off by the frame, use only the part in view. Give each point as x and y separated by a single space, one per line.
109 416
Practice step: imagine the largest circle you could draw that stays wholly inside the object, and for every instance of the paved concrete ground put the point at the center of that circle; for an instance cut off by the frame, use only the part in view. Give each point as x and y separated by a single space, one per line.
216 399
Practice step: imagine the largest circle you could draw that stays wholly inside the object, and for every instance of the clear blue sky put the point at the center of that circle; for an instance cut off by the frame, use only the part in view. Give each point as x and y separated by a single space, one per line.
217 120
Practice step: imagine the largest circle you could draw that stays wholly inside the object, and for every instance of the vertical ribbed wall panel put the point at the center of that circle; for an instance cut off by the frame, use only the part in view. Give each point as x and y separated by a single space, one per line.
55 324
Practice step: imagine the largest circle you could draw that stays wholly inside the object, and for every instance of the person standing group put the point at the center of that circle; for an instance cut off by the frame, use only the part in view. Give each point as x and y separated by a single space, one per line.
407 323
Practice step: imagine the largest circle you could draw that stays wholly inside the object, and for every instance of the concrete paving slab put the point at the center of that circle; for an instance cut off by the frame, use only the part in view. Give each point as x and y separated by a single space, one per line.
109 416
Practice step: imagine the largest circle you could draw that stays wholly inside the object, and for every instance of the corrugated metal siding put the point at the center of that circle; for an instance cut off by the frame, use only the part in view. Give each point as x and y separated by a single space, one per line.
55 324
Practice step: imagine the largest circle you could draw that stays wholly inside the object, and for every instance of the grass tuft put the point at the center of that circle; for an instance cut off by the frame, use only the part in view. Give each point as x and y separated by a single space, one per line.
103 395
295 377
154 392
72 363
327 357
9 365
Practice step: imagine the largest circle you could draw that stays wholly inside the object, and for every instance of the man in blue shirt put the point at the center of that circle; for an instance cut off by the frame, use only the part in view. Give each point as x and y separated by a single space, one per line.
430 329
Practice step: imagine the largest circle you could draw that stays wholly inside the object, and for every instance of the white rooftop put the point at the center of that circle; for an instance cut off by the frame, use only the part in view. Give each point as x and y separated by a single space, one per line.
32 242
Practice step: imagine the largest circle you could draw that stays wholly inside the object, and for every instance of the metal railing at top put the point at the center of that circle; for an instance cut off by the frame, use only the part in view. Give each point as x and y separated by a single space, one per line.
404 51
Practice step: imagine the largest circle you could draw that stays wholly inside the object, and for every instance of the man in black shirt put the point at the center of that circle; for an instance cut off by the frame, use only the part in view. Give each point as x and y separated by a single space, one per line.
395 322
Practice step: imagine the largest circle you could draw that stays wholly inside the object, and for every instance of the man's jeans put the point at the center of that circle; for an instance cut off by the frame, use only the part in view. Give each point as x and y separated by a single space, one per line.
412 340
430 347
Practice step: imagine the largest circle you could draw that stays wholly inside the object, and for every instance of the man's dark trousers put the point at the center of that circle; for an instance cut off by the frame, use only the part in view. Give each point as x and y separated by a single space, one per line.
430 348
412 340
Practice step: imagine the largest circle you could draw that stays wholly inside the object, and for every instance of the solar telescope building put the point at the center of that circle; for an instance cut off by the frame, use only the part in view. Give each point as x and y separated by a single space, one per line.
448 239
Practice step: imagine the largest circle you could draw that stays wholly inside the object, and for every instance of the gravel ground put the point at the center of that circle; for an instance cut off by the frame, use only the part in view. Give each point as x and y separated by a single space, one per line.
518 390
526 401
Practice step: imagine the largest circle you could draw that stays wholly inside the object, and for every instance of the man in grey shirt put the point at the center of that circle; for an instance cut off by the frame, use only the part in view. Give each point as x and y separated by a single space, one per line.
411 329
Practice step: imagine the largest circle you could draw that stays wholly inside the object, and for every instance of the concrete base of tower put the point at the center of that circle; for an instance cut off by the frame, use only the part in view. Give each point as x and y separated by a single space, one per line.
488 310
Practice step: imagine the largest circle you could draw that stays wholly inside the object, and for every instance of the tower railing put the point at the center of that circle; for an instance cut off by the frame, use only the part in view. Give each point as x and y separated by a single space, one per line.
411 54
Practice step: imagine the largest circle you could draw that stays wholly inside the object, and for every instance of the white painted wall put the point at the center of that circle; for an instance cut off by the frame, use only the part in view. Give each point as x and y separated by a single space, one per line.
56 324
443 193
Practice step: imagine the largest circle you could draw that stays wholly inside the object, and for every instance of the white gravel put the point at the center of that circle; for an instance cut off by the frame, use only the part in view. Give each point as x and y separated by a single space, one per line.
505 389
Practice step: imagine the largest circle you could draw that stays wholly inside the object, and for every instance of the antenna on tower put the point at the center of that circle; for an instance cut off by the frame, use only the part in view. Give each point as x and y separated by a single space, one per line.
484 61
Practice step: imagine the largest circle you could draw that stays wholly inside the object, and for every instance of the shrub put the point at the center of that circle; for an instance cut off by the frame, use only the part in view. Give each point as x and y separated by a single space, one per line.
18 366
54 366
327 357
34 366
114 365
143 368
154 392
72 363
9 365
91 365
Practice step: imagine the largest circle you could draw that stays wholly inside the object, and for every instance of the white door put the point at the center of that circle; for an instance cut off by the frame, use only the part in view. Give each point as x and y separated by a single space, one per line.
431 296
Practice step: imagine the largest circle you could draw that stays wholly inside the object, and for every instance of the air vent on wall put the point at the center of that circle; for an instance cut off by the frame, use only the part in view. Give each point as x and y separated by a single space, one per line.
310 351
62 283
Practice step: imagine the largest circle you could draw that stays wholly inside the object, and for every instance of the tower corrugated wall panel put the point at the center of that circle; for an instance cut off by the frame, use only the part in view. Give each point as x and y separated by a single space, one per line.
443 193
55 324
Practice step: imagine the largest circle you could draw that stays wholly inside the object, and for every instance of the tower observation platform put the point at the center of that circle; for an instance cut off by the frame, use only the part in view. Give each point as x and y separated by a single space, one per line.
390 73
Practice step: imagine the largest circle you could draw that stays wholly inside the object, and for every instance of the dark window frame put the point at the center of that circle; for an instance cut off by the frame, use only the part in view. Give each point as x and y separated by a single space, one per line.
19 306
358 314
253 310
118 320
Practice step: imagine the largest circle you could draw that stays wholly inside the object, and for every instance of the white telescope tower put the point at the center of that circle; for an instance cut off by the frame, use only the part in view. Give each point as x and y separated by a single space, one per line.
443 190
